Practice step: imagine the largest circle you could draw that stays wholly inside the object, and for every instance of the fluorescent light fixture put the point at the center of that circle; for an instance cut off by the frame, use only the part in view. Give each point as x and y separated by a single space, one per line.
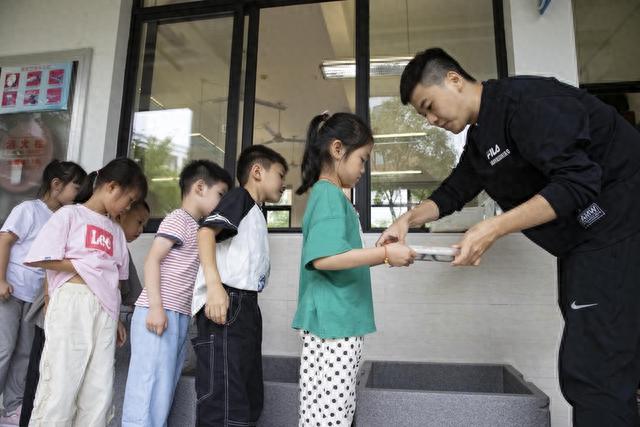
171 178
399 135
408 172
155 101
378 67
400 138
207 139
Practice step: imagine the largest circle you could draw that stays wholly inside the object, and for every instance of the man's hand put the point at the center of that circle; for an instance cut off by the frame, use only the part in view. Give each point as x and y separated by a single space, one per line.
396 233
426 211
217 304
5 290
481 236
157 320
122 334
476 241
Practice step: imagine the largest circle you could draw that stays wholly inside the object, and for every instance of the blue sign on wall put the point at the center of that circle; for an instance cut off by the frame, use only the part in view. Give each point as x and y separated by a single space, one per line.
35 87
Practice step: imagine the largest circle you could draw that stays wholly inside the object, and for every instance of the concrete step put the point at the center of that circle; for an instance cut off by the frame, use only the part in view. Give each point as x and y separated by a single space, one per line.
280 393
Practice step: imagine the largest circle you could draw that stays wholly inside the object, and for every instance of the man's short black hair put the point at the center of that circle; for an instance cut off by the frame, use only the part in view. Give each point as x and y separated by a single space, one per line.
205 170
428 67
261 154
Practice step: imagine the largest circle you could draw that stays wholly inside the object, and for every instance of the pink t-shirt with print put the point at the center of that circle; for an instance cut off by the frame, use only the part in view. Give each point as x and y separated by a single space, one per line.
95 245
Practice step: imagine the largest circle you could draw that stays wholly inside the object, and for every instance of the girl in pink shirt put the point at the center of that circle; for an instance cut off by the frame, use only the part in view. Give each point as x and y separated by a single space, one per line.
85 255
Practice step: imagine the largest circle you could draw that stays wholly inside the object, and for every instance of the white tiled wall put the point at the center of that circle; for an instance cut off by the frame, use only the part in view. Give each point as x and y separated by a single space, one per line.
503 311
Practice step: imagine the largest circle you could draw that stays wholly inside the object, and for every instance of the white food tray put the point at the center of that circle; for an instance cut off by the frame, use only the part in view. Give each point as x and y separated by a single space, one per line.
435 253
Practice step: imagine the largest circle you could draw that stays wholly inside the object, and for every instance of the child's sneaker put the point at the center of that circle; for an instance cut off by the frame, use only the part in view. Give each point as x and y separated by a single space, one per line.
11 419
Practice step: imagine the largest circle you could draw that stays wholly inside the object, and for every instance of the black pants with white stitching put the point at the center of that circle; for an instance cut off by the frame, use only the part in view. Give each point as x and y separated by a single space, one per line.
229 384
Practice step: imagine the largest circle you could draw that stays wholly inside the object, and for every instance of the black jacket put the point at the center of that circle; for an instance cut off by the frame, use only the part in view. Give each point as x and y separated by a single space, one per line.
539 136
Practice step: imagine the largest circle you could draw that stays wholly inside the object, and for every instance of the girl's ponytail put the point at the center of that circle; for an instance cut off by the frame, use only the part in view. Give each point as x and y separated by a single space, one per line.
86 189
313 157
348 128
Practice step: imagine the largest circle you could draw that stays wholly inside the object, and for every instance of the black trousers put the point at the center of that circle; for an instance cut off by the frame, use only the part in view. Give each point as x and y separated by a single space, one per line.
599 366
229 385
33 376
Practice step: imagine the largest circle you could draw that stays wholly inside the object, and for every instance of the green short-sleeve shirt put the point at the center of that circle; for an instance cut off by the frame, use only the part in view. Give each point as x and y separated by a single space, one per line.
332 304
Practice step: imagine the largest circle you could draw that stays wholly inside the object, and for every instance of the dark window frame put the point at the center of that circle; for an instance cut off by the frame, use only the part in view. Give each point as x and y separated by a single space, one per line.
203 9
277 208
615 87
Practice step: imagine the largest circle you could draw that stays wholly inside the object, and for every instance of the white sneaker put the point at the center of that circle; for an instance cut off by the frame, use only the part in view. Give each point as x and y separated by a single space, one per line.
11 419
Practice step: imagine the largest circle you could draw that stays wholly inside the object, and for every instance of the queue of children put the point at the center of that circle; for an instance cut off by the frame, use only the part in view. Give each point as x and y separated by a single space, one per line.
65 270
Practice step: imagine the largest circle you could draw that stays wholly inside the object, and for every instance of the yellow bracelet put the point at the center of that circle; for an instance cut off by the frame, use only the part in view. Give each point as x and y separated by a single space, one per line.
386 257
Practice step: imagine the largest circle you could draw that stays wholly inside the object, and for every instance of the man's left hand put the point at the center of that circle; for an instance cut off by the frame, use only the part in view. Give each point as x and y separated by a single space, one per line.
476 241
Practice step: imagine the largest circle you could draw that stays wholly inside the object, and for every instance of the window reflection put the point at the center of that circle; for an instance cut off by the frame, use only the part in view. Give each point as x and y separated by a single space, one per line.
411 158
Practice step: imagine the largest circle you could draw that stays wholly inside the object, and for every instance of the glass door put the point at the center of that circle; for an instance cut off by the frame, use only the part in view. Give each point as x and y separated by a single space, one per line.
292 86
181 103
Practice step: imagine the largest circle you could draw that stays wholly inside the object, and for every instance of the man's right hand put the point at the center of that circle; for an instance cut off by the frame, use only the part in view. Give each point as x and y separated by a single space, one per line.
5 290
217 304
397 232
157 320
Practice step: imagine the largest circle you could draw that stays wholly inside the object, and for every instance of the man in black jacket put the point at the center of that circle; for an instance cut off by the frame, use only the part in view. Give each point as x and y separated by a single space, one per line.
565 169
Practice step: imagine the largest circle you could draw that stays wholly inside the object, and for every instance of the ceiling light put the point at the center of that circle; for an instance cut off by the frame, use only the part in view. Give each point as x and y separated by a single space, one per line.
407 172
207 139
164 179
378 67
155 101
399 135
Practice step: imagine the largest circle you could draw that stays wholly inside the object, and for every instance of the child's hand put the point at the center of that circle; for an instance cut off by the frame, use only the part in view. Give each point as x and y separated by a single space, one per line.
5 290
122 334
217 304
400 255
157 320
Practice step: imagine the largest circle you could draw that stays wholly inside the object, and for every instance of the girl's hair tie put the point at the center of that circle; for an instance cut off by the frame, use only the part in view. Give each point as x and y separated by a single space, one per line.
324 116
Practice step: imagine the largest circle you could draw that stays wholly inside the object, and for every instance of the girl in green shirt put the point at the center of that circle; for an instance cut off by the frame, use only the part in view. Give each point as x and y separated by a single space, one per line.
335 307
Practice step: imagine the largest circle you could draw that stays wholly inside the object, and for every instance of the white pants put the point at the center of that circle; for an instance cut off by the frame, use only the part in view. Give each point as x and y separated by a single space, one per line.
77 365
328 377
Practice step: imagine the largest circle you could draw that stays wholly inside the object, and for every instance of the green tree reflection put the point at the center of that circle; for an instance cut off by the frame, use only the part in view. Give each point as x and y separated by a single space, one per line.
430 153
154 155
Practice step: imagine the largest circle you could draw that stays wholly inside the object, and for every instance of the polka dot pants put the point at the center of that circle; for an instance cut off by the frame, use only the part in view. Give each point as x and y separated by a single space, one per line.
328 374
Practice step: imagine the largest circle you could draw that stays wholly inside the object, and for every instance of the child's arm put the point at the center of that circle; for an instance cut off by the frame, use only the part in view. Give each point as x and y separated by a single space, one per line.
63 265
48 250
396 254
156 318
217 298
7 239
